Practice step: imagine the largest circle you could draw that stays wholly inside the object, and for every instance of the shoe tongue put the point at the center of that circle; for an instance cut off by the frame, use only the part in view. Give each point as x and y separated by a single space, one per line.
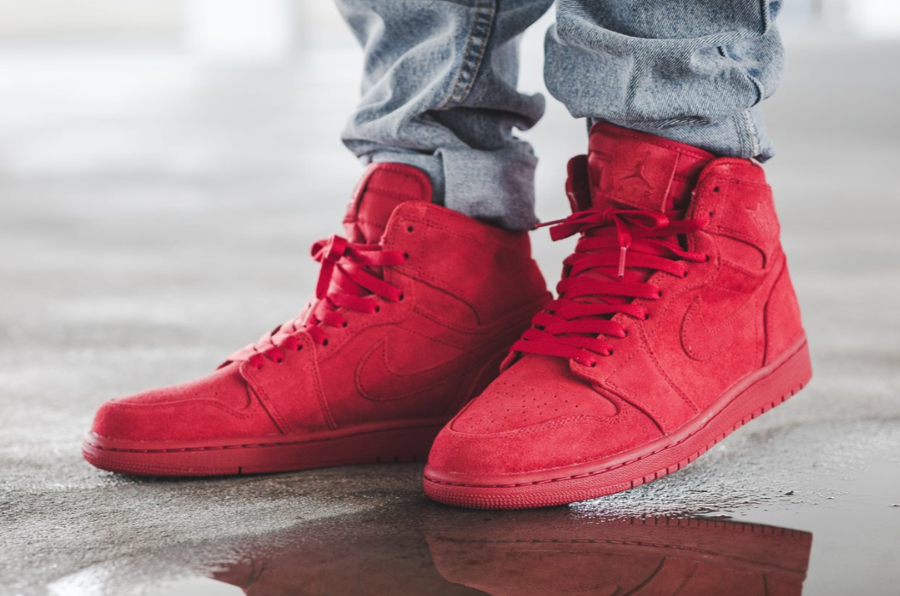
382 188
630 169
627 168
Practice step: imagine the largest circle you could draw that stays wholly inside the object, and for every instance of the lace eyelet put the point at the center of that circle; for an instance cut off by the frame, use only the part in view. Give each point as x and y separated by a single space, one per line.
279 361
611 352
707 259
325 343
409 229
659 295
401 298
593 365
647 317
406 256
299 348
377 308
716 189
345 324
625 334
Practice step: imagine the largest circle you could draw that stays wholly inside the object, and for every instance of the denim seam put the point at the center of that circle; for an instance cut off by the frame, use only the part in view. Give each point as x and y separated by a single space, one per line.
752 133
766 16
476 45
737 121
632 89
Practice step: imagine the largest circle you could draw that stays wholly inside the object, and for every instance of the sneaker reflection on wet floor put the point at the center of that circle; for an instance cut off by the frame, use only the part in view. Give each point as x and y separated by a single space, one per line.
529 554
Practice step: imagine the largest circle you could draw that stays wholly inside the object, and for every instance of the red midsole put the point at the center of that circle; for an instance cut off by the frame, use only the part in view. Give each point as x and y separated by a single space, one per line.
264 454
124 445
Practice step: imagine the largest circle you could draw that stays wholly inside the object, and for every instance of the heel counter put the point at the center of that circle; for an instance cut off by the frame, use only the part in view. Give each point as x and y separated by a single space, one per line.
782 316
488 269
533 284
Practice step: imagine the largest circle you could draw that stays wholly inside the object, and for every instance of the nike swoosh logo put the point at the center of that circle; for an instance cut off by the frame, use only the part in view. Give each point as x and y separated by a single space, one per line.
378 381
702 340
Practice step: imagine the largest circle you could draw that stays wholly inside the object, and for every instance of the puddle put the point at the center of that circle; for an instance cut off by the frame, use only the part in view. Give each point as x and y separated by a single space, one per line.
823 524
443 552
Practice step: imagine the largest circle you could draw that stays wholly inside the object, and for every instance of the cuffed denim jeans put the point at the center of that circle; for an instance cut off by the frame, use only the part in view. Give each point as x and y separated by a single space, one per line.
439 85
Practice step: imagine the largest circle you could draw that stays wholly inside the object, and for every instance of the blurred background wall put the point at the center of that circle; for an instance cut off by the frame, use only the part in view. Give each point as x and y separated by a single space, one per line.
136 117
128 122
272 29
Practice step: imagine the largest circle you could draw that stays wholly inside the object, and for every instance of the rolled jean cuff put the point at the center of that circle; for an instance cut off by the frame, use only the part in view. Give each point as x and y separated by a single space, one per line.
741 135
492 186
694 71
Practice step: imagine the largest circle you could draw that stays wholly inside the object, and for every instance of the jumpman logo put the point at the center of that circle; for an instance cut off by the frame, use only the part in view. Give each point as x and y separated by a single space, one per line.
639 172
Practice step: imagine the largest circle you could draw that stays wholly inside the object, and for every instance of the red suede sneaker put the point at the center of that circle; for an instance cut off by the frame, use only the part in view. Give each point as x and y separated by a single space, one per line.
562 554
676 324
412 317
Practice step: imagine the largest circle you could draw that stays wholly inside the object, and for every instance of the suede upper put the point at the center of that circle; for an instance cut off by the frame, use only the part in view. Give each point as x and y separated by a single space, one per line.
718 314
450 294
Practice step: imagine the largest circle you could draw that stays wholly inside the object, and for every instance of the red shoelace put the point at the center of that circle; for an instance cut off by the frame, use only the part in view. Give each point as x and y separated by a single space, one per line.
600 281
349 279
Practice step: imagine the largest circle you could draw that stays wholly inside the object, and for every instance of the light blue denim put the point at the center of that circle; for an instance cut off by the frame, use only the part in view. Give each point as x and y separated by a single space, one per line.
439 84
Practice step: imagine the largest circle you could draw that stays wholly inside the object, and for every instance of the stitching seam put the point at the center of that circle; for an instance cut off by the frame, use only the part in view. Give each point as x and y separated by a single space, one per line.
473 53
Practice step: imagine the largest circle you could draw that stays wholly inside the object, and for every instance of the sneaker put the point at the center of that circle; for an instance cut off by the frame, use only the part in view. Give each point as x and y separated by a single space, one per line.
676 323
414 311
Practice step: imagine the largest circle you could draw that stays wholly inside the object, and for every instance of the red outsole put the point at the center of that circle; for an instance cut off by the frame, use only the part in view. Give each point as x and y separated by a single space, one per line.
261 456
755 395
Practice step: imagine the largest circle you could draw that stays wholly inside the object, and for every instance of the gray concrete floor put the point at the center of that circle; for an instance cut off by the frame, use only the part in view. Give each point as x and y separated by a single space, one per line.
155 215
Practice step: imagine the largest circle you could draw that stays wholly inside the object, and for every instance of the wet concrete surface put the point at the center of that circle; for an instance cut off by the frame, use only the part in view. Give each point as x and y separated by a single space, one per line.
156 214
